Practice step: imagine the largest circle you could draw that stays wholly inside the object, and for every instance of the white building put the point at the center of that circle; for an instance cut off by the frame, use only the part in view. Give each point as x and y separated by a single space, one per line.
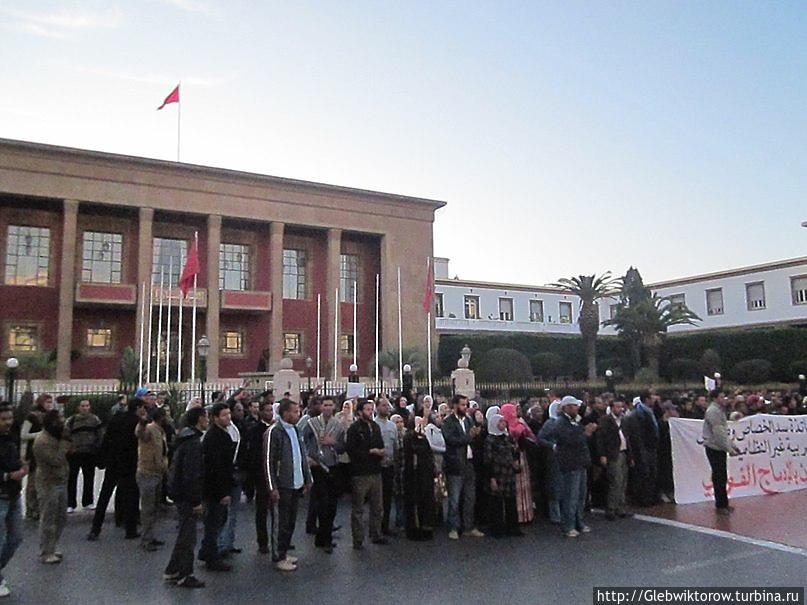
762 295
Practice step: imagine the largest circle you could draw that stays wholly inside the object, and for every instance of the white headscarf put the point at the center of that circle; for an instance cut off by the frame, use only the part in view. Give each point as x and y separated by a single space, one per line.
553 409
493 425
494 409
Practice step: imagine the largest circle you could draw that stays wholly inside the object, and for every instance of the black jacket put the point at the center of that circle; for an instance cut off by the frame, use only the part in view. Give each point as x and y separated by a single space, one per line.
280 458
607 436
571 445
218 451
457 442
361 438
253 458
119 447
9 462
646 430
186 474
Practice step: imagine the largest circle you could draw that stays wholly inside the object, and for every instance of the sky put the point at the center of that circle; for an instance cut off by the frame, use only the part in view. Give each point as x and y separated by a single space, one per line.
567 137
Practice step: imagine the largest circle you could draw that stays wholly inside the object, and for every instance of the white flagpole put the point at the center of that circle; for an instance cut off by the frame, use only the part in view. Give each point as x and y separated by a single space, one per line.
429 347
400 335
179 338
377 333
160 320
179 115
142 332
319 334
168 323
151 330
355 332
336 337
193 317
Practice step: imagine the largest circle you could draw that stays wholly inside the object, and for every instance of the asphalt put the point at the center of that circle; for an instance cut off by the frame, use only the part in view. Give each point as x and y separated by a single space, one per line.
542 567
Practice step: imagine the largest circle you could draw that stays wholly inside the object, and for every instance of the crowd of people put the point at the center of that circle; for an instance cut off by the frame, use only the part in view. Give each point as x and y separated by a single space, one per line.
409 466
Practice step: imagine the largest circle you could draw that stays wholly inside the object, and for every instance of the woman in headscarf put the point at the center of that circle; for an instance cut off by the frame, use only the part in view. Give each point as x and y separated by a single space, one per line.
418 482
501 460
432 429
520 433
478 449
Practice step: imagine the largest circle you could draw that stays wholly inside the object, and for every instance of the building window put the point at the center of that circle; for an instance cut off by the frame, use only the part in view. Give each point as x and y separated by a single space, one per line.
99 339
506 309
565 309
23 339
714 301
233 267
439 309
471 307
798 286
537 310
755 295
27 256
678 301
346 344
294 267
101 257
348 277
232 342
291 344
169 260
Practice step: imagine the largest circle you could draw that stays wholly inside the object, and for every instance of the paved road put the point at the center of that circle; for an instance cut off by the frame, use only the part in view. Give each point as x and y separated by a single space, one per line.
542 567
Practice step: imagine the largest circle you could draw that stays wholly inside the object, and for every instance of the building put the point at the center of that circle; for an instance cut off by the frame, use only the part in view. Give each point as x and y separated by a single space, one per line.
763 295
89 236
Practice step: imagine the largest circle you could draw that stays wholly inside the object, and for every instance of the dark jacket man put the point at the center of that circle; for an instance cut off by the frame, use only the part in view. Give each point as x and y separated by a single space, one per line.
9 462
218 449
361 438
119 446
186 475
457 442
607 437
571 445
279 456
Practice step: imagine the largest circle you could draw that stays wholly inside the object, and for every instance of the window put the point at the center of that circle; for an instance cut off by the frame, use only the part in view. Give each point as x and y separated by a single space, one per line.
537 310
471 307
291 344
169 260
506 309
565 309
27 256
23 339
755 295
346 344
99 339
294 267
439 309
714 301
101 257
678 301
233 267
798 287
232 342
348 277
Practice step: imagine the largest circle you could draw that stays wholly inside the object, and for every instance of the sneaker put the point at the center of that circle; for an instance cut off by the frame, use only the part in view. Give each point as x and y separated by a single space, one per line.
190 582
170 577
285 565
90 506
453 535
51 559
71 510
475 533
4 590
573 533
292 560
585 529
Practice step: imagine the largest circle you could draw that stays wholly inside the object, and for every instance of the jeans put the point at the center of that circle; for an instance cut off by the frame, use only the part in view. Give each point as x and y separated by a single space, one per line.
573 499
227 536
150 487
10 529
461 487
86 464
215 518
182 556
52 516
366 487
717 460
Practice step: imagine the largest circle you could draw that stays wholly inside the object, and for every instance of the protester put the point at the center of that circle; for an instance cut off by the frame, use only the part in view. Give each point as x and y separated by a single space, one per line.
502 464
418 483
312 410
31 427
718 446
255 461
227 545
12 470
83 430
521 434
643 431
50 451
152 462
482 496
389 435
398 464
615 456
218 450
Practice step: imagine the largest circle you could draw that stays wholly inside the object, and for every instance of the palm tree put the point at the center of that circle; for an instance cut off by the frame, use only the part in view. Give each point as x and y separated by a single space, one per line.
413 356
589 289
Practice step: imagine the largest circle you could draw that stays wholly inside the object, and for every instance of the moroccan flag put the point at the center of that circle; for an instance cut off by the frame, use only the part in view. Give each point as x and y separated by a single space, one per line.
172 98
428 294
190 271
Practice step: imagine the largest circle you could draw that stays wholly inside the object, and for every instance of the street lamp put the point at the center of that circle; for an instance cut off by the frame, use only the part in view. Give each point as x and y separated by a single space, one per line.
203 348
12 363
802 385
407 382
309 363
354 373
717 381
609 380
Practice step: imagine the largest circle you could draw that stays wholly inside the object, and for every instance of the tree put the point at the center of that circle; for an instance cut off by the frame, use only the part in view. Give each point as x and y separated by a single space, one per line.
129 367
643 318
413 356
504 365
590 289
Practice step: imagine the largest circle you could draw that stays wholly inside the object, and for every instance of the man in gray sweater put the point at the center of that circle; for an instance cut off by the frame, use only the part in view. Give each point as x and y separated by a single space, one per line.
718 445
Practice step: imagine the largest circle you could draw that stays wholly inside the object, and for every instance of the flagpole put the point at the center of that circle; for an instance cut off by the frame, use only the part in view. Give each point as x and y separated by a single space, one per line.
335 336
400 335
179 338
151 330
355 332
160 319
142 332
377 352
193 318
319 334
168 322
179 117
429 347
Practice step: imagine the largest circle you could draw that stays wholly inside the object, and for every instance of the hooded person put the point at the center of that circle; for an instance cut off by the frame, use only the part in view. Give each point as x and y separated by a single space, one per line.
418 483
494 409
521 434
501 461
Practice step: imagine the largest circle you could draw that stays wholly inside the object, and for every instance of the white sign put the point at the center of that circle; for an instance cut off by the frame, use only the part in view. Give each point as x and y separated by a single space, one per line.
772 459
355 389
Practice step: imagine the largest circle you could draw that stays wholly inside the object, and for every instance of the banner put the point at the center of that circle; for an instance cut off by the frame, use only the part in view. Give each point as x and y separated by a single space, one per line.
772 459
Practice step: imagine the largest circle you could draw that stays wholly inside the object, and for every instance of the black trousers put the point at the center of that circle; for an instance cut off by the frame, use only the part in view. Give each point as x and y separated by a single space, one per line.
127 500
387 487
324 498
182 556
86 464
503 515
286 520
261 513
718 460
215 518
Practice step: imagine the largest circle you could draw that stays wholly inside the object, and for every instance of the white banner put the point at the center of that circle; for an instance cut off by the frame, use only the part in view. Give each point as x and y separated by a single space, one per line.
772 459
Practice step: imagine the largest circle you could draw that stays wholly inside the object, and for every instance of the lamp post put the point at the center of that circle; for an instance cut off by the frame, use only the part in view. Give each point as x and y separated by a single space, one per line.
802 385
203 348
717 381
609 380
309 363
12 363
407 382
354 373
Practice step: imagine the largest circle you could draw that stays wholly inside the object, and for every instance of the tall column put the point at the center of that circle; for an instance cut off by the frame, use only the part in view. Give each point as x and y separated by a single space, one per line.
276 230
213 297
145 231
332 283
67 275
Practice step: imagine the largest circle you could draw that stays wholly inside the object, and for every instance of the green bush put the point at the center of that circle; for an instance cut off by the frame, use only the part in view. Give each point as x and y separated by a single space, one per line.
683 368
547 366
710 362
504 365
751 371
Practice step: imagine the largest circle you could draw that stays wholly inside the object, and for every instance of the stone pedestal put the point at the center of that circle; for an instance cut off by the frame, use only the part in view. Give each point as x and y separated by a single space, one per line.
463 380
286 380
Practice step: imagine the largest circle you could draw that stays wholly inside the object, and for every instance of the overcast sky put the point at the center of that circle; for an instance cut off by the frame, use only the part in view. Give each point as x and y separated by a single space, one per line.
567 137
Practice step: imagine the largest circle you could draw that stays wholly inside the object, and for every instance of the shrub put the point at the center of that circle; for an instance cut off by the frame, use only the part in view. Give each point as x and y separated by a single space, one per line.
752 371
645 376
682 368
547 365
504 365
710 362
